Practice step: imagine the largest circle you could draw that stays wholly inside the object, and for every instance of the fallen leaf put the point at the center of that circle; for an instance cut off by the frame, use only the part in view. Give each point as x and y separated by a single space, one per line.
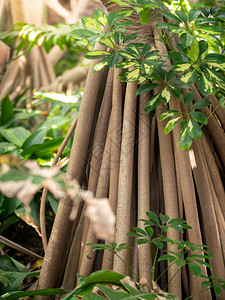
129 281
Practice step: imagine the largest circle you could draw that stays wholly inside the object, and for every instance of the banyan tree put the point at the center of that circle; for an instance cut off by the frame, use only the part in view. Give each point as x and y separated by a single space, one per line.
122 153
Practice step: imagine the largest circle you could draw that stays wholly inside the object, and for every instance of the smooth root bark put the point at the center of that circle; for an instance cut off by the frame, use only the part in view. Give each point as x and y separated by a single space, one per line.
170 196
126 175
144 185
116 135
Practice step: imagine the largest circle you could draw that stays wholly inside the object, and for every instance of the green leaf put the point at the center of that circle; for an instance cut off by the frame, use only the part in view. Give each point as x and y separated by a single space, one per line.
206 284
211 29
175 90
178 58
144 88
144 16
146 49
6 109
217 289
149 231
193 51
129 76
185 140
201 104
203 46
166 96
194 129
199 117
21 294
187 39
125 64
206 86
101 17
181 15
182 67
170 16
41 150
153 103
16 135
96 54
141 231
152 216
217 76
189 77
171 27
91 23
98 67
112 294
142 241
164 218
168 114
193 14
113 59
171 124
107 42
158 243
195 269
168 257
188 98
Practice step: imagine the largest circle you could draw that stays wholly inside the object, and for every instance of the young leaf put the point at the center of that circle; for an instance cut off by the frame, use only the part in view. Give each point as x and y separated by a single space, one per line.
193 51
144 16
194 130
199 117
171 124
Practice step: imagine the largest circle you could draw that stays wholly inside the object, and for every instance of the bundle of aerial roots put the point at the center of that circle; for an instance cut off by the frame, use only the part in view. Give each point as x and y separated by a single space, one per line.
121 153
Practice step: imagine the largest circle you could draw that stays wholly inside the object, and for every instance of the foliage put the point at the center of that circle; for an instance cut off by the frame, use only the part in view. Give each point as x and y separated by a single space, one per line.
188 254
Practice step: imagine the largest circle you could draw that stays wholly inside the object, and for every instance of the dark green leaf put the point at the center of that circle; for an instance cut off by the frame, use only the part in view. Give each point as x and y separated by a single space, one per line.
168 257
149 231
144 88
146 49
21 294
203 46
142 241
164 218
170 16
178 57
217 289
158 243
171 124
195 269
201 103
175 90
6 109
188 98
181 15
113 59
140 230
193 14
199 117
152 216
206 284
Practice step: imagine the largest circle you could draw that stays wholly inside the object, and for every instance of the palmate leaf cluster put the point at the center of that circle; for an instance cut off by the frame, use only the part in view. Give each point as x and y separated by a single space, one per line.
198 60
